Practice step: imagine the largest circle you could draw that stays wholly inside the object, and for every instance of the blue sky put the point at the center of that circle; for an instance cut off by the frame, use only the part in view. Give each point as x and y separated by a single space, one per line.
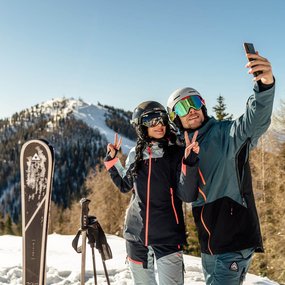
123 52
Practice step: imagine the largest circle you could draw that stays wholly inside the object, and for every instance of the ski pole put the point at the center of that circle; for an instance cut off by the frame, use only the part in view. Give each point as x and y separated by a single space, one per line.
91 235
84 225
94 265
106 272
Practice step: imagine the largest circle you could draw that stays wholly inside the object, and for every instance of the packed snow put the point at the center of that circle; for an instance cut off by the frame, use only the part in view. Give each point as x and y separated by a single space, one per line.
94 117
64 264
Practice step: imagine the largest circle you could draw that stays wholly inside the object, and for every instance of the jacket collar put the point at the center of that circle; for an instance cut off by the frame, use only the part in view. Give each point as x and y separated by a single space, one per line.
204 128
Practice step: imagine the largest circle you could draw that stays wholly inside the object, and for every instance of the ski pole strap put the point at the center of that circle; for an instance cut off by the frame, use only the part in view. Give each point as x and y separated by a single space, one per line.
75 242
97 236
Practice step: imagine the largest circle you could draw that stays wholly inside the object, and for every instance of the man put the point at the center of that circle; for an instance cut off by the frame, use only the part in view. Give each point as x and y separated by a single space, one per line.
225 212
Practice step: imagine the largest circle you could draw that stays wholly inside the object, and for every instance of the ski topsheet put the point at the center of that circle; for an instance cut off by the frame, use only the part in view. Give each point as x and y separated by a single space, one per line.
37 165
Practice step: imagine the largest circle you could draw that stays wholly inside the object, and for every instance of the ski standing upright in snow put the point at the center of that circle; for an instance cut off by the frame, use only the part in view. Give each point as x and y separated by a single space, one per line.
37 166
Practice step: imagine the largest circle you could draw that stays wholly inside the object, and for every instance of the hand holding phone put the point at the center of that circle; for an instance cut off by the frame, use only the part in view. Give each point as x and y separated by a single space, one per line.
249 48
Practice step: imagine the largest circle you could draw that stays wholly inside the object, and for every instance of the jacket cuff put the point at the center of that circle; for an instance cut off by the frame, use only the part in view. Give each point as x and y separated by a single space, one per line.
260 87
110 163
191 159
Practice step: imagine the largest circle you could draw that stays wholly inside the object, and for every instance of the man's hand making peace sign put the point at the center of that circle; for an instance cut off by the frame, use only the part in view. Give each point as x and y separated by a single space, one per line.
191 145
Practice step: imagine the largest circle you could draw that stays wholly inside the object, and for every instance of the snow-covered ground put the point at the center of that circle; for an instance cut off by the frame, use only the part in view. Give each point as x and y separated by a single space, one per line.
64 264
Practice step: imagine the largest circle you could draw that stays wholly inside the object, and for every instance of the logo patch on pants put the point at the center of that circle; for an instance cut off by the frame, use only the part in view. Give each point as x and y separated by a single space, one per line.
234 267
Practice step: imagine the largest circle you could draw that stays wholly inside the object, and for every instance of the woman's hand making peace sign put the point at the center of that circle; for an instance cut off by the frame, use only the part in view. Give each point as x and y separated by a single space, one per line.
112 149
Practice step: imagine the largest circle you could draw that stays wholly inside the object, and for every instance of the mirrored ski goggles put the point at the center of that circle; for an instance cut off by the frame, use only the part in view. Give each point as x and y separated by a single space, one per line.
153 119
183 107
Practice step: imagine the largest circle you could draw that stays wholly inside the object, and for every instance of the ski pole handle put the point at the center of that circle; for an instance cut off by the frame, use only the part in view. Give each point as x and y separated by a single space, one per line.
84 213
84 226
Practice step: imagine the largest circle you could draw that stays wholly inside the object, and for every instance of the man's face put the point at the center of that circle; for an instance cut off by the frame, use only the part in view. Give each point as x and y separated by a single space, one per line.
193 120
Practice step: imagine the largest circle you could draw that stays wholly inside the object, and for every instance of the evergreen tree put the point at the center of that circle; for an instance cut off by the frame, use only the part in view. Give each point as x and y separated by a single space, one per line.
2 224
220 108
8 226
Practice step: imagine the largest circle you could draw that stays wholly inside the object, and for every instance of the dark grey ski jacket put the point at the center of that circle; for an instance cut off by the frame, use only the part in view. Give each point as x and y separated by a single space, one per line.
154 215
225 212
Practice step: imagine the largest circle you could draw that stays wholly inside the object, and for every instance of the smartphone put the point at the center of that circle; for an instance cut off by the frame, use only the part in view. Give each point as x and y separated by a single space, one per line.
249 48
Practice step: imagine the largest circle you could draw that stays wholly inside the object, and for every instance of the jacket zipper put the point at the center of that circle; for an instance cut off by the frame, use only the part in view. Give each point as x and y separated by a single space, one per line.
240 178
148 198
202 211
173 206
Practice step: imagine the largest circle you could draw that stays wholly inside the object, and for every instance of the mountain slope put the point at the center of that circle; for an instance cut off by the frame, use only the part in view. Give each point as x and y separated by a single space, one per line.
78 133
95 117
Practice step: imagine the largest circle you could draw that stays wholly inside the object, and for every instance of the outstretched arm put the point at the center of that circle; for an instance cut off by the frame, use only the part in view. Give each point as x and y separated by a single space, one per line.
257 117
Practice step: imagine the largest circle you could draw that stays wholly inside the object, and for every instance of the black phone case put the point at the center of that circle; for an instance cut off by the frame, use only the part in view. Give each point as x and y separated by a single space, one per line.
249 48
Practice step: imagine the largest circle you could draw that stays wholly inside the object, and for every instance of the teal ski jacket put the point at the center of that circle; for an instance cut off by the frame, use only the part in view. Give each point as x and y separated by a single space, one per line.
225 212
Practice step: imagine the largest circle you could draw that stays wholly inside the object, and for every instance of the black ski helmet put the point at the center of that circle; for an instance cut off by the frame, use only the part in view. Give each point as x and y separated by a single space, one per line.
142 109
146 108
178 95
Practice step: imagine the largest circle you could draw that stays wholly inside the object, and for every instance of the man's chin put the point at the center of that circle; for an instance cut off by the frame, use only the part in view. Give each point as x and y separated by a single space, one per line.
194 125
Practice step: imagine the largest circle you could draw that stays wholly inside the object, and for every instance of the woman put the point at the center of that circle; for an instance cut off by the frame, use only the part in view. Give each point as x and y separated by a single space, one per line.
154 226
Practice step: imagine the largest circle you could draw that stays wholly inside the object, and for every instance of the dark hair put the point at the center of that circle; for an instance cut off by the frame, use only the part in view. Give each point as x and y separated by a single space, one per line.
143 141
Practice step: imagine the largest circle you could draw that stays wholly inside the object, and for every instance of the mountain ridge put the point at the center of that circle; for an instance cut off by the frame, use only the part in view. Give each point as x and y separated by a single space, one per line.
79 133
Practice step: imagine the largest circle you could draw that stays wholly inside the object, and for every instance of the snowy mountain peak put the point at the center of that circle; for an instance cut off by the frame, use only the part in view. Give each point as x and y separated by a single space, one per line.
59 107
93 115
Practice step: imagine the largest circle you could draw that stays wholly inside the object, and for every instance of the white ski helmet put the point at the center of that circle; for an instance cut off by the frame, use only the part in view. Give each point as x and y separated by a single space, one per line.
180 94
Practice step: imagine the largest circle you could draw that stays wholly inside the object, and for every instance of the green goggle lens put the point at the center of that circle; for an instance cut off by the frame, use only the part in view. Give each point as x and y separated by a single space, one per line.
183 107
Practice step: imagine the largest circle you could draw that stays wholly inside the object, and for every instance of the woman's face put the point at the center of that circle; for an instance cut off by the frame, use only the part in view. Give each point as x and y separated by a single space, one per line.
157 132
